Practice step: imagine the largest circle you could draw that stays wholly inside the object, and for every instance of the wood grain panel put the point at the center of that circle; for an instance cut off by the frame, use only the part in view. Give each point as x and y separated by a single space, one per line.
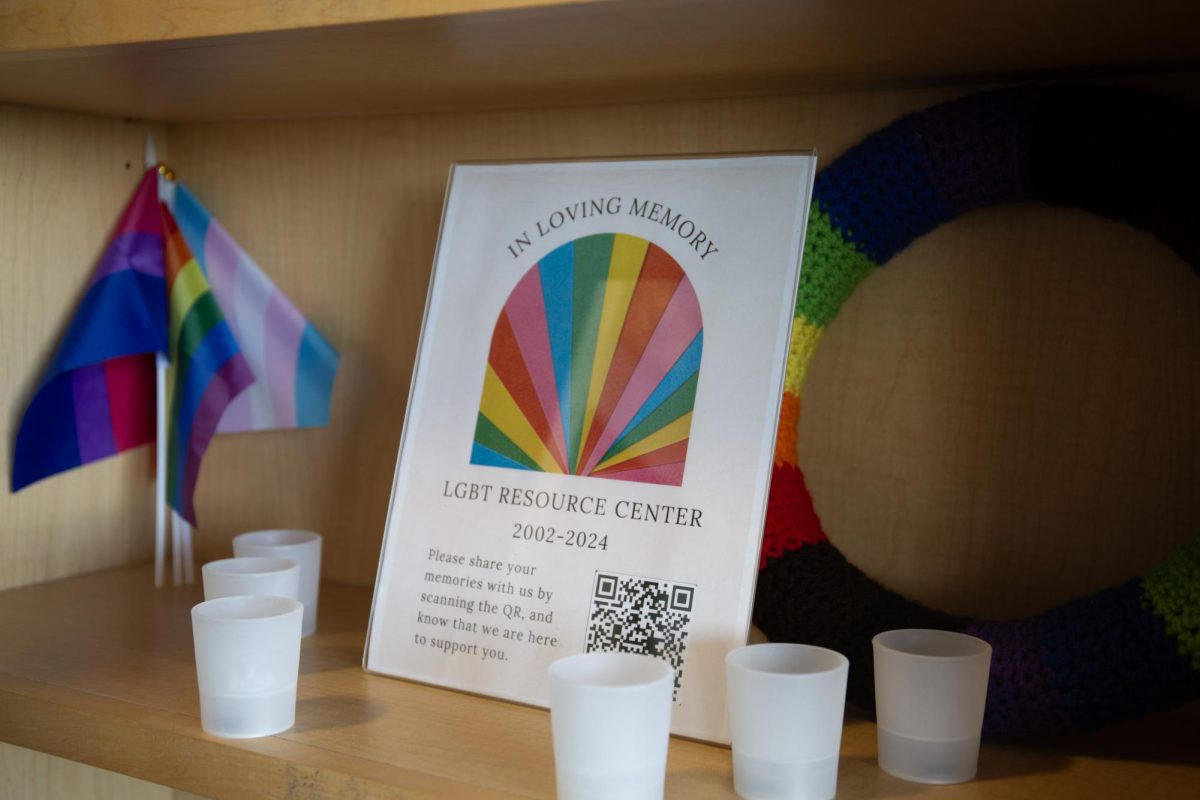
344 215
64 178
956 415
944 479
1004 417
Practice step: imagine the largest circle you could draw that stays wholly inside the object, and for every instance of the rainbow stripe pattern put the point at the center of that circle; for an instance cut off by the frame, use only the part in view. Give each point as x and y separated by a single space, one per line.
1048 144
149 294
594 364
207 367
293 364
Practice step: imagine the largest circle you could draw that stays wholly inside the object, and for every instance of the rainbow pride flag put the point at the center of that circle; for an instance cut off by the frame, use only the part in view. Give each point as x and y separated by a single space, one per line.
207 367
150 294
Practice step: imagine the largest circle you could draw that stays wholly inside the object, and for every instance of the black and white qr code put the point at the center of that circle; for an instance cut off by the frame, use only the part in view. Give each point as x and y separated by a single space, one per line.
631 614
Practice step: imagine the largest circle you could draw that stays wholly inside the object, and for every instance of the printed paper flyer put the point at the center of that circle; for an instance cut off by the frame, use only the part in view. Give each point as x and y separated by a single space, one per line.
588 441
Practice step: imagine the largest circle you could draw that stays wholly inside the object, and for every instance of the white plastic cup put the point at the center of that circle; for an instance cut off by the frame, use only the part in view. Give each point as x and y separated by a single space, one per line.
247 663
930 692
303 547
610 714
257 575
786 703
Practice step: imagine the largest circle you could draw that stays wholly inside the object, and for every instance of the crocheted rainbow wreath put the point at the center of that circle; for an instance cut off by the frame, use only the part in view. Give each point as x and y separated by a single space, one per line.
1115 655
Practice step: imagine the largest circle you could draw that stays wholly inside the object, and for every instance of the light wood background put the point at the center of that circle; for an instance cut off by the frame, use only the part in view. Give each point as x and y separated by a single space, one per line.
1005 418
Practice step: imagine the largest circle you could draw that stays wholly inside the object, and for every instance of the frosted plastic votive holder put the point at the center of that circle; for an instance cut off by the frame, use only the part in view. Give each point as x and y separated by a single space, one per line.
786 703
930 692
247 664
610 714
303 547
253 575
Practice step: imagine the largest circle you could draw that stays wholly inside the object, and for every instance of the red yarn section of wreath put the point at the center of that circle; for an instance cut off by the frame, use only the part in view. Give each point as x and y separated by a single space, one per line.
792 521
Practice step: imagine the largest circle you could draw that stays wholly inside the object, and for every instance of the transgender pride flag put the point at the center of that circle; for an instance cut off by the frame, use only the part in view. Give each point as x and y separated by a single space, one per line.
293 364
152 293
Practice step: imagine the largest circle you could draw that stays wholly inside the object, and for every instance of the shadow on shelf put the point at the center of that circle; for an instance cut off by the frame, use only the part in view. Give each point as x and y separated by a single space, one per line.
331 657
336 711
1168 737
862 772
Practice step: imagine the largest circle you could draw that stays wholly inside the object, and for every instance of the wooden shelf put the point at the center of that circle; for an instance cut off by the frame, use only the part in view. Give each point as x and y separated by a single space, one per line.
46 24
99 669
176 63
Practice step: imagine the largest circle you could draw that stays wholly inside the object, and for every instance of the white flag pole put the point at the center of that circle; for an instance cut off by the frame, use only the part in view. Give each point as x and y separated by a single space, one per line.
160 468
189 560
182 560
150 159
176 548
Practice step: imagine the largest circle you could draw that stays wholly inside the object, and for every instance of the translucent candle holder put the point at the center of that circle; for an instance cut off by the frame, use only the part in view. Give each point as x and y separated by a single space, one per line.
247 664
303 547
930 692
610 714
786 704
253 575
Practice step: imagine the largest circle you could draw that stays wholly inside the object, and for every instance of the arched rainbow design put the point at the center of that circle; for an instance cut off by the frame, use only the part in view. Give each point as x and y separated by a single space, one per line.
594 364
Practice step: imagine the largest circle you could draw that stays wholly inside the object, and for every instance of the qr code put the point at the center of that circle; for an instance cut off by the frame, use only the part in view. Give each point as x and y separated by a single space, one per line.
631 614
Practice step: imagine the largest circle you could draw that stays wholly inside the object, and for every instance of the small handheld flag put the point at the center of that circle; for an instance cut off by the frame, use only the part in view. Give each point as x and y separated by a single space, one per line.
207 368
293 365
96 398
185 290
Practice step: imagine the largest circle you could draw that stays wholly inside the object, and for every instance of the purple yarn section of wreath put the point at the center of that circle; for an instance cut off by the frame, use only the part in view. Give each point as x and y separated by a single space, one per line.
976 151
1021 700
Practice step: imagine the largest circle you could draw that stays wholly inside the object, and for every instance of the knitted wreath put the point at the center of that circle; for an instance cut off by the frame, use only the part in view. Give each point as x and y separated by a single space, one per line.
1117 654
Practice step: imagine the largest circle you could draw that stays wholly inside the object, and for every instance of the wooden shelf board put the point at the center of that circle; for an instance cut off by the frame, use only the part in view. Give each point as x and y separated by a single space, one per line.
99 669
518 55
30 25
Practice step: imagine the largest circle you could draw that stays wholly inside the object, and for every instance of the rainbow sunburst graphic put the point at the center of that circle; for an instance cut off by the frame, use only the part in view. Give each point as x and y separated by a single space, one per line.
594 364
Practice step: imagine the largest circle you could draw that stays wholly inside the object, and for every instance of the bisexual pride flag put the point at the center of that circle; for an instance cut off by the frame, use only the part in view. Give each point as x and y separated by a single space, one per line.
150 294
97 395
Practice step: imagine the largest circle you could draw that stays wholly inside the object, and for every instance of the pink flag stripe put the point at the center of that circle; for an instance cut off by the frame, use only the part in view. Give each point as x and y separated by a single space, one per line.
221 256
141 215
284 327
131 387
252 293
239 414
